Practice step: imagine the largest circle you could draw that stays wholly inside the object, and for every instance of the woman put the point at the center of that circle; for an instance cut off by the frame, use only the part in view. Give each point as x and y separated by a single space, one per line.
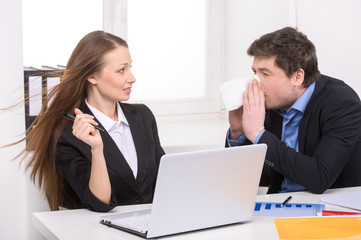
78 165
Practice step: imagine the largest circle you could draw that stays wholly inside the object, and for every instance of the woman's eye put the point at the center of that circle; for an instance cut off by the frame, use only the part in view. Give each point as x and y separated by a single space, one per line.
121 70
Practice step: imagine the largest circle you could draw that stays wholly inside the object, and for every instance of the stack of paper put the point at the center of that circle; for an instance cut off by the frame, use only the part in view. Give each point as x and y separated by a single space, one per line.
350 200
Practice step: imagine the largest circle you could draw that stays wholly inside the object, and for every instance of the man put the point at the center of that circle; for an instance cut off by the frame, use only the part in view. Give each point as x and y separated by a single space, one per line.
310 122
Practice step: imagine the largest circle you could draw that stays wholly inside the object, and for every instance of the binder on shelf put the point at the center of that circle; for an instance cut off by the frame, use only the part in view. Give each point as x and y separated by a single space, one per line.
37 83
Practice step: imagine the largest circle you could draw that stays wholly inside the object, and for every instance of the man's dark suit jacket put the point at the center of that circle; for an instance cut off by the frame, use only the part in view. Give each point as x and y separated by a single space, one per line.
74 159
329 140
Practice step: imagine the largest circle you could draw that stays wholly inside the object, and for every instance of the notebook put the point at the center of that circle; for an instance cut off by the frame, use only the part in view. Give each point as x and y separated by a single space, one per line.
198 190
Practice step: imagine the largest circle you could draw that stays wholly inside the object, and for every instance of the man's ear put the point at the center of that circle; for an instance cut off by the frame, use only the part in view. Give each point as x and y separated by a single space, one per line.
299 77
92 79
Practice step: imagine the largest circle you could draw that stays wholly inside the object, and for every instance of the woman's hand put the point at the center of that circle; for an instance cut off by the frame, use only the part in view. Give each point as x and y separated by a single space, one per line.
83 129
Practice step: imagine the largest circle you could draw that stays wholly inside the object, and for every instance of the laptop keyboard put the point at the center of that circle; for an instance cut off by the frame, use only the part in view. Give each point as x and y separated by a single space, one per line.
138 223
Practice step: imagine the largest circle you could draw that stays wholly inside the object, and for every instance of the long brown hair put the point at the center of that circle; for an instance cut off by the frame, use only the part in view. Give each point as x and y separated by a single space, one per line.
42 137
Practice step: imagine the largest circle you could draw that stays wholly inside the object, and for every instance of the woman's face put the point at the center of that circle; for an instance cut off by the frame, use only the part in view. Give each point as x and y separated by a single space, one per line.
114 81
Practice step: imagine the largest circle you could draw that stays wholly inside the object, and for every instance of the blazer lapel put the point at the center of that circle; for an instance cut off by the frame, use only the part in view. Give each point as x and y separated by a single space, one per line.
139 135
113 156
304 124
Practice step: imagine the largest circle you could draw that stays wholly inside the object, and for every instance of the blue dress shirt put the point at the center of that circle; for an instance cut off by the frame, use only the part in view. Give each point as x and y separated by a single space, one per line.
290 125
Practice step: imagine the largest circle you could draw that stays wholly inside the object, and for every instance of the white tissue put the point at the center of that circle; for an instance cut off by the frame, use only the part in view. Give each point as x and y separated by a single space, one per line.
232 91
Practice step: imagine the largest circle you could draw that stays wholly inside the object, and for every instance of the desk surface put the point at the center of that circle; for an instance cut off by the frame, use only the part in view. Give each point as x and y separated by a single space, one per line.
84 224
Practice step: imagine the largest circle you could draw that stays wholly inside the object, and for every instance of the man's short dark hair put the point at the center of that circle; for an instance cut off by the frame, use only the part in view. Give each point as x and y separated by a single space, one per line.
292 51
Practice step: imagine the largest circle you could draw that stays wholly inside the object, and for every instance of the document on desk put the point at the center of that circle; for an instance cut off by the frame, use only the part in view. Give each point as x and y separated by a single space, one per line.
350 200
319 228
270 209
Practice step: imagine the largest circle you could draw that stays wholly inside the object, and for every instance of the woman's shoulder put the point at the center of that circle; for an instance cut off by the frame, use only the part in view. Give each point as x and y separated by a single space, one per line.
136 107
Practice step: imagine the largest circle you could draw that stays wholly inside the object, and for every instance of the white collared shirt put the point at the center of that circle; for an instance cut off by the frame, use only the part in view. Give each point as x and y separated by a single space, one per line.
120 133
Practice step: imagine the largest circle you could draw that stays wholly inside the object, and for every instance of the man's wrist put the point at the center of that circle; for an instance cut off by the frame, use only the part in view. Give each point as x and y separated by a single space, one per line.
236 142
235 135
258 137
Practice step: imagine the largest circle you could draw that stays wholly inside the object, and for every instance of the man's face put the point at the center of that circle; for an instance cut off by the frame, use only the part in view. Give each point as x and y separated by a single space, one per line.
281 92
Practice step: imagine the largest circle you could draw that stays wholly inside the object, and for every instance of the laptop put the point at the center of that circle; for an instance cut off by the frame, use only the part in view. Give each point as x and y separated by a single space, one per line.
198 190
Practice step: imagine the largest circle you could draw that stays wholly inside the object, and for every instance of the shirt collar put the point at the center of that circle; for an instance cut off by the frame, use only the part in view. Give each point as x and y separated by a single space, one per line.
301 103
106 121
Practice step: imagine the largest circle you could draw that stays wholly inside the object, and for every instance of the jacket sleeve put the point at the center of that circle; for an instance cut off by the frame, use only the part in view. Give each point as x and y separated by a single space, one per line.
74 158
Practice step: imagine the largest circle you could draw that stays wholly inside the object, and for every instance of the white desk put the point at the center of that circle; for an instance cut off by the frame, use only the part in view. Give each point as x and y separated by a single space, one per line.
84 224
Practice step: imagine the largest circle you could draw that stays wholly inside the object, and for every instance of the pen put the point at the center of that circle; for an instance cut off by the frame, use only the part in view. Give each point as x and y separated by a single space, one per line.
286 201
72 118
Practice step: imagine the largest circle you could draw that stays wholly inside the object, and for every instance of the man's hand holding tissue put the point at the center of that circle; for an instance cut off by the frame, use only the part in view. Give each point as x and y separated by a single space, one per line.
249 118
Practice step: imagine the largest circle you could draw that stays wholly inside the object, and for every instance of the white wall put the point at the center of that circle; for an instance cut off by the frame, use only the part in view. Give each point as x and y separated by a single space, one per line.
19 198
245 22
334 26
12 180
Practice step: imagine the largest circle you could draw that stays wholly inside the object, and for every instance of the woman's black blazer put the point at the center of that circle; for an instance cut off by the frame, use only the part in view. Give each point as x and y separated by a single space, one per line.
74 161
